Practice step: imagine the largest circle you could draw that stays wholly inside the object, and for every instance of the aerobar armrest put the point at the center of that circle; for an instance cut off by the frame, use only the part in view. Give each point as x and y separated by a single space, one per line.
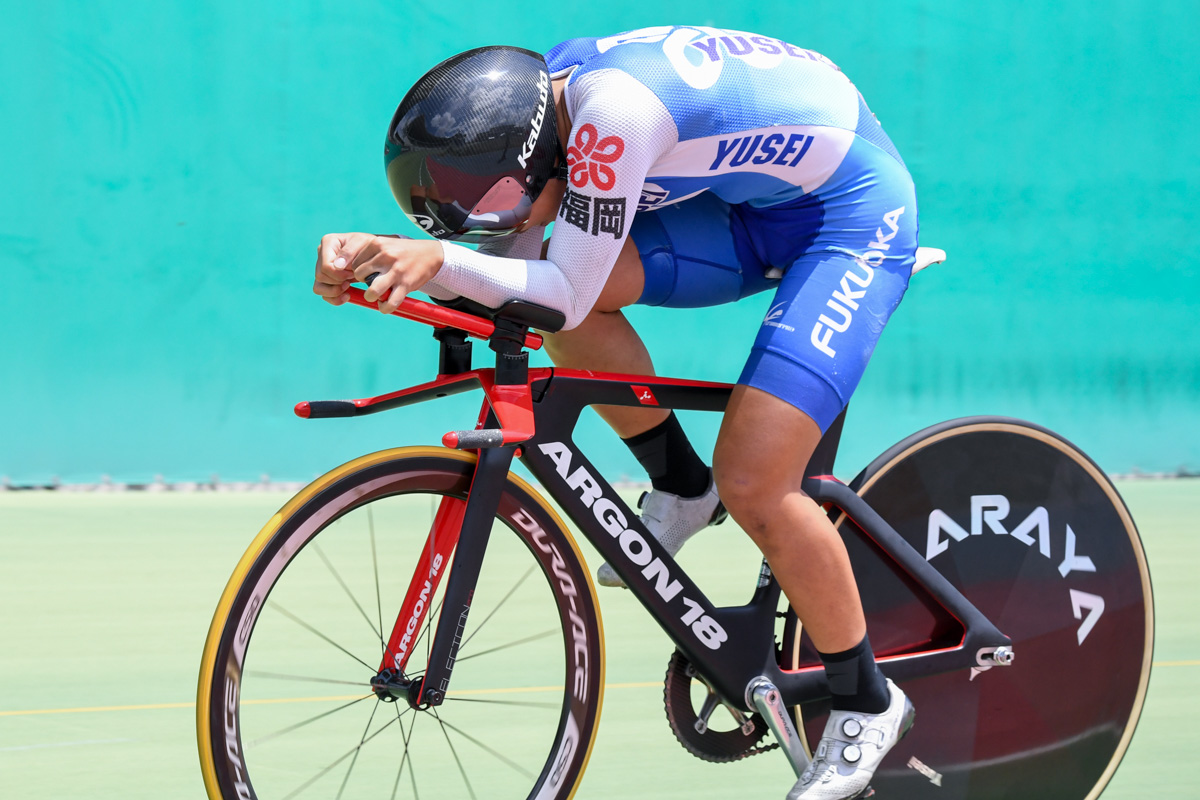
531 315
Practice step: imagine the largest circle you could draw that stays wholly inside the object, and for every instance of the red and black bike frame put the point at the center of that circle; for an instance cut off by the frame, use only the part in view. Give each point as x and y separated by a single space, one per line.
532 413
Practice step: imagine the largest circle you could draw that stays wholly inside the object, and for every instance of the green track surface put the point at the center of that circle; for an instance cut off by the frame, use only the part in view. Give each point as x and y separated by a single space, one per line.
106 601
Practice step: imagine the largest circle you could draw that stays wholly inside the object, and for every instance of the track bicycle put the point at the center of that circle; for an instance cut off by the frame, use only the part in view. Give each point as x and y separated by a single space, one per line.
420 622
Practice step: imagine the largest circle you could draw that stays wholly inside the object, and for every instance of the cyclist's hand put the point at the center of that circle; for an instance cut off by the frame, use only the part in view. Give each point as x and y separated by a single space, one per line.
401 266
335 254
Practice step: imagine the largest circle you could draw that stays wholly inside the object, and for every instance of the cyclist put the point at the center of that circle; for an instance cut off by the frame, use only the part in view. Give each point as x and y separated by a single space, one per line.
684 167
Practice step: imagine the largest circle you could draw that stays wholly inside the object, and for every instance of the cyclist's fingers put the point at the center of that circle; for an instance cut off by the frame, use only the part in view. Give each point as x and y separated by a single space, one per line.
337 252
393 300
381 284
337 301
328 249
328 273
365 269
389 286
332 279
399 281
372 259
330 288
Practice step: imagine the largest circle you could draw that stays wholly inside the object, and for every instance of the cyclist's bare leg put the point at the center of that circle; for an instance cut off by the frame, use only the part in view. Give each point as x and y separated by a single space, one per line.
606 342
762 451
764 445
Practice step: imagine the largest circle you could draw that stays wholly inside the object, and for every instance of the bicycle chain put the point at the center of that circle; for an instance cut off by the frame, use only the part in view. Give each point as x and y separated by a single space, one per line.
716 746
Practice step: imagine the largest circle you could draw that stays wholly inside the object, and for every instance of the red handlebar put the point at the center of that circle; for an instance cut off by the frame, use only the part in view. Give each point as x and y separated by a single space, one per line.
440 317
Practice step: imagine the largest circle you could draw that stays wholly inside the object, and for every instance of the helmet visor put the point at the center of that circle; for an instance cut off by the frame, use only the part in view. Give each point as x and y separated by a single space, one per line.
498 212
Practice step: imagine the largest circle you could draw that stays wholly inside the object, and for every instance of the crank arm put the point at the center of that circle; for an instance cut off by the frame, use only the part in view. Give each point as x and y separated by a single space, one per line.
763 695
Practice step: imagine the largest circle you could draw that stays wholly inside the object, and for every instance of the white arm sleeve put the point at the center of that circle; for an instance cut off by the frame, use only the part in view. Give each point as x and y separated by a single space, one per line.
527 245
619 129
520 245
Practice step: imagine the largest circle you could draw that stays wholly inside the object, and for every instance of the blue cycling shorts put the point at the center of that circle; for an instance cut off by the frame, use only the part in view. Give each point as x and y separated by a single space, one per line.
845 253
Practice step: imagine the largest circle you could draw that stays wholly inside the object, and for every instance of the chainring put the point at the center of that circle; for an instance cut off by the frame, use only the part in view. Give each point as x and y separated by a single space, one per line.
719 746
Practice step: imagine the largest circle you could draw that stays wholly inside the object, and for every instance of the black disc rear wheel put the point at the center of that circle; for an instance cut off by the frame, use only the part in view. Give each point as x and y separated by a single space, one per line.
1035 536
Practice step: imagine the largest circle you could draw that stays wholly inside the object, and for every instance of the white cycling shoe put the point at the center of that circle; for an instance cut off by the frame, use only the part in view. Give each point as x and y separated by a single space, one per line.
672 520
851 748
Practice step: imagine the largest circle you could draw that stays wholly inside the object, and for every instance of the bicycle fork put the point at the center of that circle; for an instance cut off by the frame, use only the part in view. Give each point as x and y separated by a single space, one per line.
461 528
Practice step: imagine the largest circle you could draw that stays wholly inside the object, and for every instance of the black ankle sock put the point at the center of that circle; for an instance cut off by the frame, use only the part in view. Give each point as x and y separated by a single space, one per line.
854 681
668 458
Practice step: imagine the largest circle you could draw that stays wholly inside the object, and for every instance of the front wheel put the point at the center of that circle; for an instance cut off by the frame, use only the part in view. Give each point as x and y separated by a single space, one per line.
286 704
1030 530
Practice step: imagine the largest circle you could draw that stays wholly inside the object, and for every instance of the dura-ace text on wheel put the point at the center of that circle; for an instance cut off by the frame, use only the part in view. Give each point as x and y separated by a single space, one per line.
306 687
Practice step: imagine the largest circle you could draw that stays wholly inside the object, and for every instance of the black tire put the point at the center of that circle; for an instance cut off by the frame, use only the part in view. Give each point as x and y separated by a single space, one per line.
1055 724
285 706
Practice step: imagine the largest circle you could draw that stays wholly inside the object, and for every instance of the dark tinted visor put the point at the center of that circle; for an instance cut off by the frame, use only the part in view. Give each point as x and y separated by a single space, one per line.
498 212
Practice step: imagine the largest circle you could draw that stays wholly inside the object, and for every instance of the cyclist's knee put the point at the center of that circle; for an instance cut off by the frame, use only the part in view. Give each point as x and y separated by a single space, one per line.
737 494
750 489
761 453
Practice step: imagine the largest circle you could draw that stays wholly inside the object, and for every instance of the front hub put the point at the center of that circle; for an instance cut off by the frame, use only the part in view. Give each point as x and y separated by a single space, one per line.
391 685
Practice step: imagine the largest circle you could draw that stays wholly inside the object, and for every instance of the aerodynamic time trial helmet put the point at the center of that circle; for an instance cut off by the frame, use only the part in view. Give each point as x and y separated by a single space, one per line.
473 143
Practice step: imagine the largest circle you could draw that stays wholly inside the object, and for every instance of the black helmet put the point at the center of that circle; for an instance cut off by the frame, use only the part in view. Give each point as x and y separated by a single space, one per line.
473 143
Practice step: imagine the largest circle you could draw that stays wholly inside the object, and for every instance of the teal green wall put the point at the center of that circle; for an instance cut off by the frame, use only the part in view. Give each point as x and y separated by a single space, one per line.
168 169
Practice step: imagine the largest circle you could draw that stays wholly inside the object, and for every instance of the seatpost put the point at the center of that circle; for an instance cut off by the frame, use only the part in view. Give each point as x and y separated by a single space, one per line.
512 361
454 357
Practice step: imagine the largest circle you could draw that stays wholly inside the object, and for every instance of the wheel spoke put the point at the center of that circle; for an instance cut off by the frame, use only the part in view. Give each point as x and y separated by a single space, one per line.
317 633
375 565
358 750
305 678
322 715
503 600
406 758
527 704
454 752
483 746
339 760
346 589
526 640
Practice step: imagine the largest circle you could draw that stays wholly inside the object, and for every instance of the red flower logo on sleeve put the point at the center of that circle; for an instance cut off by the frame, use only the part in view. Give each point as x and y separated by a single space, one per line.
589 157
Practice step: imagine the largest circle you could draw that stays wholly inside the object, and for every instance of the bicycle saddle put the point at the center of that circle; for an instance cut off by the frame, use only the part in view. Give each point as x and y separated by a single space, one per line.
928 256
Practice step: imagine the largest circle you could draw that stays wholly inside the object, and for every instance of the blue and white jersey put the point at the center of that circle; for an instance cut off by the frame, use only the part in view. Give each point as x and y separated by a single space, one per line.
659 115
757 120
